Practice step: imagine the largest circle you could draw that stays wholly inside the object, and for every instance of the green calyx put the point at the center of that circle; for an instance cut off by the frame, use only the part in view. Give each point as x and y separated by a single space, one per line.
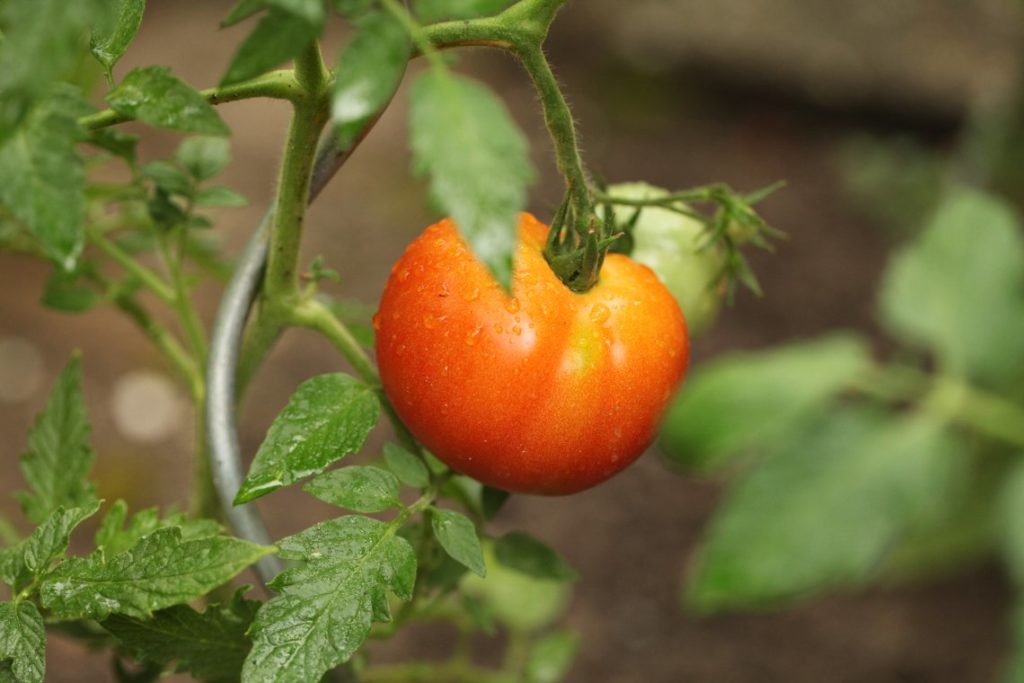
578 242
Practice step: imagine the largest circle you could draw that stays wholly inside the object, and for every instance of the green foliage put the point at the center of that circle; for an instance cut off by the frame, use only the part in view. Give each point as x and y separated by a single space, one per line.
1011 525
464 139
753 400
550 658
327 418
823 511
360 489
22 641
409 469
162 569
957 290
210 645
41 176
457 535
112 36
524 553
429 11
117 534
278 37
203 156
327 603
371 68
152 95
65 292
41 42
521 602
58 460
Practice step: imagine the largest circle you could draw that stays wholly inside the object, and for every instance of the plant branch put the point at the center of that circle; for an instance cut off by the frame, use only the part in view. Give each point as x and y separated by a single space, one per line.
280 85
950 398
310 115
164 342
149 279
313 315
182 304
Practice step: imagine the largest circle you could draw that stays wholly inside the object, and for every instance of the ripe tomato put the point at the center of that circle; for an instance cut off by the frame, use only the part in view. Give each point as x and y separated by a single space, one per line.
545 391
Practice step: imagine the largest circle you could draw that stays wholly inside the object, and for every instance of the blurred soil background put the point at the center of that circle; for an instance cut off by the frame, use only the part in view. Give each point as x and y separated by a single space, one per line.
675 92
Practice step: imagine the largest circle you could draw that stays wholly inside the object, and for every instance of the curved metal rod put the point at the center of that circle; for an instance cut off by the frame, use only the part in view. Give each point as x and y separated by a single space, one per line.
225 344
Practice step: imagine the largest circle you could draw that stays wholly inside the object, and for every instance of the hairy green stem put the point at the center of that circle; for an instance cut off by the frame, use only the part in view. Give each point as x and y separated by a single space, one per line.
164 341
182 304
149 279
560 124
280 85
280 284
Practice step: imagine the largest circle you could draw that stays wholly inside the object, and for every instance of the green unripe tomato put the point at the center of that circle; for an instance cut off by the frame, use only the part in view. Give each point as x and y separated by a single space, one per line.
667 242
519 601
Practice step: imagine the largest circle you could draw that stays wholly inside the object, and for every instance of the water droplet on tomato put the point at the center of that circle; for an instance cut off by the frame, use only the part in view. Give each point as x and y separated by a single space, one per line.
516 330
403 275
473 336
430 322
473 295
512 305
600 314
499 329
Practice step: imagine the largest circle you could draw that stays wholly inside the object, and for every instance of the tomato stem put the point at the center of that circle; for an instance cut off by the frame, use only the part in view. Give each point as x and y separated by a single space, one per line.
281 85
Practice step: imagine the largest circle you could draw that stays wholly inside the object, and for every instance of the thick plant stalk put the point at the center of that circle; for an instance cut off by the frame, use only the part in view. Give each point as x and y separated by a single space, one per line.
221 394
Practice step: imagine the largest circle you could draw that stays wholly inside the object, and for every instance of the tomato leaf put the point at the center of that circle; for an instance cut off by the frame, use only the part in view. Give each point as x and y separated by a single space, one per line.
327 418
118 143
310 11
220 197
209 645
204 156
64 292
117 534
457 535
327 603
749 400
1012 524
360 489
824 511
429 11
42 180
492 500
277 38
463 137
409 469
112 36
551 657
524 553
41 42
152 95
22 641
352 9
959 289
58 459
161 570
33 556
370 70
50 539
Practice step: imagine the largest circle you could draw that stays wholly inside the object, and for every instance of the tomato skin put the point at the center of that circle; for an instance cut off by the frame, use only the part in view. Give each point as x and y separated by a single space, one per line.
545 391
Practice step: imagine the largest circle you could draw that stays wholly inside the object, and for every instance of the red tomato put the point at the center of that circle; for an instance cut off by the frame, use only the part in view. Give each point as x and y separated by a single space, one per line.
545 391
